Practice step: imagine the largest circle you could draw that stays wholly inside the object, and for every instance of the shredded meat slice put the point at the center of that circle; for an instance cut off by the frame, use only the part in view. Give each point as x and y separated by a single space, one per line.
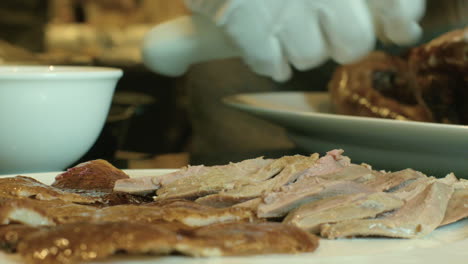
307 189
457 208
292 168
95 241
421 214
394 180
149 184
340 208
219 178
192 181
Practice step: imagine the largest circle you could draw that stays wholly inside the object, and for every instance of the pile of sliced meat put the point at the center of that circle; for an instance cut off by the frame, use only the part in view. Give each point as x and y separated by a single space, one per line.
257 206
80 218
326 195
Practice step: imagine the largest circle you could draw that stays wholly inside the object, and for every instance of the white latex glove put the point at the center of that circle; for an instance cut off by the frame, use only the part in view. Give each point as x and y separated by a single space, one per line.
397 20
274 34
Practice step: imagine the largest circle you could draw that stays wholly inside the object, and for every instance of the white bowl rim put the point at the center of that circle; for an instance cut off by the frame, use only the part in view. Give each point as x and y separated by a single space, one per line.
57 72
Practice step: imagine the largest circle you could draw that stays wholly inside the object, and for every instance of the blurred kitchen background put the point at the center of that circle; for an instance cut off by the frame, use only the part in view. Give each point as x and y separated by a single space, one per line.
147 125
150 124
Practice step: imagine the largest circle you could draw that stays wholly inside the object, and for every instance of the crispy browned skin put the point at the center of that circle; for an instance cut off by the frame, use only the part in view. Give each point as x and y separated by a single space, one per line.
445 53
440 67
186 212
10 235
35 212
377 86
94 241
21 186
264 238
98 175
430 84
89 241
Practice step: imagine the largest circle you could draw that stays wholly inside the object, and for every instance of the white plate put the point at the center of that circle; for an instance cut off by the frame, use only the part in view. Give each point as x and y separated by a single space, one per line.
435 149
445 245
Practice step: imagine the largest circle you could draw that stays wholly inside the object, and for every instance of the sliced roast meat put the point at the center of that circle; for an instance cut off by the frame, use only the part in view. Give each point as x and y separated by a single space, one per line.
149 184
353 172
250 204
314 187
312 215
419 216
277 204
189 175
457 208
223 178
293 167
394 180
331 163
413 188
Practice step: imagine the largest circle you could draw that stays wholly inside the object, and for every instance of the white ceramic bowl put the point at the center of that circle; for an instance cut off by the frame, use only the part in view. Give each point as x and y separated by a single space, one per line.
50 116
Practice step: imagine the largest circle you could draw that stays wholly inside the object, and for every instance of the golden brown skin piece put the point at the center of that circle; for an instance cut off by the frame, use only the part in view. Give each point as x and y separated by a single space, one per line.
97 175
93 241
81 242
10 235
429 85
21 186
446 53
185 212
237 239
55 212
441 68
376 87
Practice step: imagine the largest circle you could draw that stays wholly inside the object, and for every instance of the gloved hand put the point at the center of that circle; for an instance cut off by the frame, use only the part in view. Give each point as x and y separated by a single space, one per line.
274 34
397 20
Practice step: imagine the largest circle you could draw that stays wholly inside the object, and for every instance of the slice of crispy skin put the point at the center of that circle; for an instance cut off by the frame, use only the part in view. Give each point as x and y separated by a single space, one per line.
95 241
264 238
35 212
10 235
98 175
186 212
81 242
21 186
